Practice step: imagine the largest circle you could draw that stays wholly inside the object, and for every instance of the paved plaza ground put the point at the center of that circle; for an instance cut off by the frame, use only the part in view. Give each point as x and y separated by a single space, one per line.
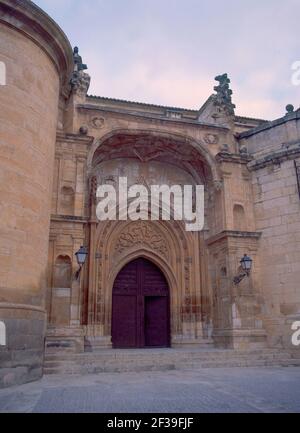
205 390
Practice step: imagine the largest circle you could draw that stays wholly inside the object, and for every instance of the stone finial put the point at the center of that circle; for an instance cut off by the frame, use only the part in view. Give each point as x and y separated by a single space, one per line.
224 93
83 130
289 109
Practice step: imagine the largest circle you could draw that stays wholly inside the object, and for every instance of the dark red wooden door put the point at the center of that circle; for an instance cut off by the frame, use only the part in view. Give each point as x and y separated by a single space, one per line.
140 310
156 326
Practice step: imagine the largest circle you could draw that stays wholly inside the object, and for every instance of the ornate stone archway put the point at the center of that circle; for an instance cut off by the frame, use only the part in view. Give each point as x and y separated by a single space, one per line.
168 246
147 156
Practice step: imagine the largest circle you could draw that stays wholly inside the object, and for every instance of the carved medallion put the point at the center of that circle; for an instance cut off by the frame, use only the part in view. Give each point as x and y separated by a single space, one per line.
97 122
211 139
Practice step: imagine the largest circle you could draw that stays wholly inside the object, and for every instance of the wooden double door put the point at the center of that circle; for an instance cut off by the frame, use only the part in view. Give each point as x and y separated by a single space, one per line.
140 310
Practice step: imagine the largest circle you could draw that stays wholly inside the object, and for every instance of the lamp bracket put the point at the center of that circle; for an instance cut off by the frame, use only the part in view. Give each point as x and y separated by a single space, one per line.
78 272
239 278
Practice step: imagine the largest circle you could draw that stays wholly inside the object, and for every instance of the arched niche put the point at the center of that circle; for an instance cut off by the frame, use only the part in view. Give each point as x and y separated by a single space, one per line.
61 291
67 200
62 272
239 218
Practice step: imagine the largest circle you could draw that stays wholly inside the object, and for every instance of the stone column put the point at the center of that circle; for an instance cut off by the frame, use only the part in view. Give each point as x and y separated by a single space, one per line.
38 63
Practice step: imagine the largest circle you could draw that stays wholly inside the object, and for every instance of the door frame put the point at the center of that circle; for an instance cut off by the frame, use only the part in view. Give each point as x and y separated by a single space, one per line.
140 307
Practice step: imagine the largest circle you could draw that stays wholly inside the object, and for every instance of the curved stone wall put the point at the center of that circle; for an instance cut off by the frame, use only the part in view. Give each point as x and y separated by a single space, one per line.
37 58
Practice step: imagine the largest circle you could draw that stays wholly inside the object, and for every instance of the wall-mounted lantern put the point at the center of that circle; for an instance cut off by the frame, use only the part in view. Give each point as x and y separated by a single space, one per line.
81 256
246 266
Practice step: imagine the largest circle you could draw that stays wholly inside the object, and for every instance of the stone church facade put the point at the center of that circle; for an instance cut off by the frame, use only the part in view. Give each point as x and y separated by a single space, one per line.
58 144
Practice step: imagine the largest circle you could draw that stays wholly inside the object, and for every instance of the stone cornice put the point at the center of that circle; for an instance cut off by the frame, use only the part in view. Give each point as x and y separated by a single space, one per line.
233 158
152 117
25 17
62 137
185 111
275 157
243 120
233 234
69 218
142 104
13 306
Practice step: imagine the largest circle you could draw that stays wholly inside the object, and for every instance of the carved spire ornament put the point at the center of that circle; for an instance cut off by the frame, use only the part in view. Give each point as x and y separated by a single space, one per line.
80 81
224 93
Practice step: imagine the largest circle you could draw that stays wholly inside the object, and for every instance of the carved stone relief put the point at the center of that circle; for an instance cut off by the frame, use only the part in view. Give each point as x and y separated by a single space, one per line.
141 233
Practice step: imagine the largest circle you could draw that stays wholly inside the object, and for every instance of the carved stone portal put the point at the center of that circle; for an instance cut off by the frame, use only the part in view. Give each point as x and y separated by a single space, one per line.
142 233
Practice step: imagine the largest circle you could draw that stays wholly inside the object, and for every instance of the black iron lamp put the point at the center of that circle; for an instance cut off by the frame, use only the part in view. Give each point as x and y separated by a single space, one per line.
81 256
246 264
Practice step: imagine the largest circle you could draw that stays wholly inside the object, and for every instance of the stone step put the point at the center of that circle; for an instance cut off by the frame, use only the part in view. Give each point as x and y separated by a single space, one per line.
164 352
82 359
110 368
175 357
162 360
253 363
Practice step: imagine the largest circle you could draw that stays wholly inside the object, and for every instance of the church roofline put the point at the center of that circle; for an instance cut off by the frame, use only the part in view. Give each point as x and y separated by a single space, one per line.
141 114
247 119
239 119
143 104
271 124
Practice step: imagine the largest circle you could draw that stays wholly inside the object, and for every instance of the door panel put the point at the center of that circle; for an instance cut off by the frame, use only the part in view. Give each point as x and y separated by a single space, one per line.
156 321
140 311
124 325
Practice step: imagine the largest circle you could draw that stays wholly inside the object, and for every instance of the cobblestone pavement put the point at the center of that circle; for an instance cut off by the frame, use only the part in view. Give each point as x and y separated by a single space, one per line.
206 390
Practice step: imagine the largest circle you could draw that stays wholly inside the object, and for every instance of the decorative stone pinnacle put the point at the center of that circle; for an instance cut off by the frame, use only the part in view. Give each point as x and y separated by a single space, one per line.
224 93
80 81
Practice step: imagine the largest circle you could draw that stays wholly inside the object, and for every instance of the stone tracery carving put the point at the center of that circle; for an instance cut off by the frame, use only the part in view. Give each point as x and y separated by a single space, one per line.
93 190
142 233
